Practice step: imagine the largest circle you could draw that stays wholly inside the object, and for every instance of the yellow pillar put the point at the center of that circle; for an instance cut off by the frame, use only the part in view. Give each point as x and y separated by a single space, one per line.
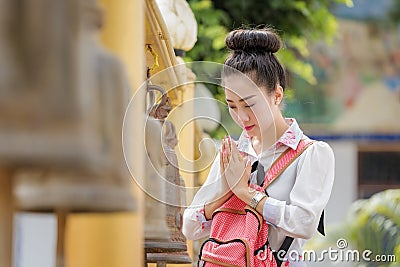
6 215
104 240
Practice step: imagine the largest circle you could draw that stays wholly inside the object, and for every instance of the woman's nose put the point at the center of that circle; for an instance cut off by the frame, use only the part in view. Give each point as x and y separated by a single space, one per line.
243 115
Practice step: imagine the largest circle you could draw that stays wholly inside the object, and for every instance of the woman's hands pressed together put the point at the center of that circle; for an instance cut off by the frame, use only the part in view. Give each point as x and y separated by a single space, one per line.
235 169
235 173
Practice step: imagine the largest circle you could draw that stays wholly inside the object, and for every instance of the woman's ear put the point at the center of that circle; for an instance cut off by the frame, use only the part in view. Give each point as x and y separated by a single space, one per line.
278 94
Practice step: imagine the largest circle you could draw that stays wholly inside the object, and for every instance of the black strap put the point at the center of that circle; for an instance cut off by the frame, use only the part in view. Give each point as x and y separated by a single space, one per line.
321 227
260 172
289 240
281 253
279 256
254 166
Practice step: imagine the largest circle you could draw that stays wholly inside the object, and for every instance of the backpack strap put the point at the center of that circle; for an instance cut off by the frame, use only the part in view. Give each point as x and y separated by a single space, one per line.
277 168
284 247
280 165
284 160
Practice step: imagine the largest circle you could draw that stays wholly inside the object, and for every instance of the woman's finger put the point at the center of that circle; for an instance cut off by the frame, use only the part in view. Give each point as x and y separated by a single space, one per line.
229 146
235 153
224 154
222 159
248 166
221 163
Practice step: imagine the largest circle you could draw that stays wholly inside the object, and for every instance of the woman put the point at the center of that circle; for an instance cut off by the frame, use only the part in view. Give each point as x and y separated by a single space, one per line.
254 83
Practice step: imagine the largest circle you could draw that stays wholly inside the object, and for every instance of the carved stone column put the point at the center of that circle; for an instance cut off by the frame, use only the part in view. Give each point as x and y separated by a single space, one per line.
156 229
174 186
173 250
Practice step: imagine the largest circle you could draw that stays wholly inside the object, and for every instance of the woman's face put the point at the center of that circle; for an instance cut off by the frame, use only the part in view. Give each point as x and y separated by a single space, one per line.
249 105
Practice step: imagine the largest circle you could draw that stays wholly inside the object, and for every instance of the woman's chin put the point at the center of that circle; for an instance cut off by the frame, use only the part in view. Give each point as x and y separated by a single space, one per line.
250 133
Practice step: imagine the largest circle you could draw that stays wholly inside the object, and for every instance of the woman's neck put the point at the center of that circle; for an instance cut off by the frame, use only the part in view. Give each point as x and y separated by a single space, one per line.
270 135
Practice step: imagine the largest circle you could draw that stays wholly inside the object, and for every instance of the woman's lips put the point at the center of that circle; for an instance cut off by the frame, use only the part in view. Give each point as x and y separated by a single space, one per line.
249 128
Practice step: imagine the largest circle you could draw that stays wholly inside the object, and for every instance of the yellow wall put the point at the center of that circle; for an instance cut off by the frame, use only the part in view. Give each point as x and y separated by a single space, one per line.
105 240
102 240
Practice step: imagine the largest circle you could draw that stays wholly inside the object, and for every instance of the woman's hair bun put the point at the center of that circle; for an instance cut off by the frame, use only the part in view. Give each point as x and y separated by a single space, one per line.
253 41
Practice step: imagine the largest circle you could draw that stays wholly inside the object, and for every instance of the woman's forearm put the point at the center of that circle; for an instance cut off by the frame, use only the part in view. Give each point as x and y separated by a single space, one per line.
210 207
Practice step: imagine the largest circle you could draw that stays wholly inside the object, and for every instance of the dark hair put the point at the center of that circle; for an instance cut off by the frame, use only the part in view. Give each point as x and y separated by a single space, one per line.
252 53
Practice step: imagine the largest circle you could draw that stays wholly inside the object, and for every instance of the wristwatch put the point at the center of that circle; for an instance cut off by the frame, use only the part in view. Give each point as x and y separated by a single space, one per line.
258 196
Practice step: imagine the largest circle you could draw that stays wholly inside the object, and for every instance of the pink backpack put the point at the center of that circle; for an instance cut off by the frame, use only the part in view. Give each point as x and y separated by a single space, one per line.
239 234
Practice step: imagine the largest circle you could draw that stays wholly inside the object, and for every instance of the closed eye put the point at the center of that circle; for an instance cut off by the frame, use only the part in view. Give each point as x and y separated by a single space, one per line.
246 106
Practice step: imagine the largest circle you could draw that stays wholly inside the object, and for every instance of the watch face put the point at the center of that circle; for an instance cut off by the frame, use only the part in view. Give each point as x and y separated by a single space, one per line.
255 199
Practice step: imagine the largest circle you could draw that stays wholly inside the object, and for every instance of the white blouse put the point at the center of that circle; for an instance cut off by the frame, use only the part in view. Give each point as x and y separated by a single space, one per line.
296 198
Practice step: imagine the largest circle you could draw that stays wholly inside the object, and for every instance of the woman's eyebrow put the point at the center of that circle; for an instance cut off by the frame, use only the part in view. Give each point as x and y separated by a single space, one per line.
242 99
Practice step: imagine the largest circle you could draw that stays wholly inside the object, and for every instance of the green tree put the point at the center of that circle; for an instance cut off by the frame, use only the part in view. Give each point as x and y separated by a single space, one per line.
298 22
394 14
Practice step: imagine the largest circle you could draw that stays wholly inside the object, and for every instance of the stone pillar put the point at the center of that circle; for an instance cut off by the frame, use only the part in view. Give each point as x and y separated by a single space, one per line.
41 115
92 175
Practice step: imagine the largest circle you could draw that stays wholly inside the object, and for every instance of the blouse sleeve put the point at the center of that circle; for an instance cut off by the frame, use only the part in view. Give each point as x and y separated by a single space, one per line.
309 195
195 225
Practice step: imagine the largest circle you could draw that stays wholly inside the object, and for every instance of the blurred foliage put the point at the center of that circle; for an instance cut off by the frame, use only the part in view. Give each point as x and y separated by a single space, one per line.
212 30
297 22
371 224
394 14
210 46
375 224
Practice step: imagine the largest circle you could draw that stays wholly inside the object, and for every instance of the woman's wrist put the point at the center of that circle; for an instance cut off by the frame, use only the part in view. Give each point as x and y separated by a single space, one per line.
256 199
205 212
248 194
